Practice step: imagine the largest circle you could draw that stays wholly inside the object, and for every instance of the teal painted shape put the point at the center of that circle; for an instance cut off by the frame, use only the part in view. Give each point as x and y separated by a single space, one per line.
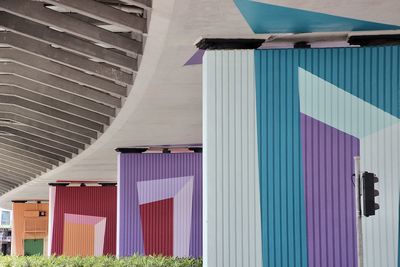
283 215
369 73
318 100
267 18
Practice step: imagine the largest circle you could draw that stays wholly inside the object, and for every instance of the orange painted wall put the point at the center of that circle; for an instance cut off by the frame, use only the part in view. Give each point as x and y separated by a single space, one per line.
78 239
26 225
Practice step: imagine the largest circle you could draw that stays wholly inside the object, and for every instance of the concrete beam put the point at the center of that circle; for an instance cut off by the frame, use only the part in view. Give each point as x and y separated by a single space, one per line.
36 11
18 81
145 4
31 149
62 71
66 58
45 127
14 100
33 154
6 184
52 103
20 166
59 83
45 34
41 137
16 153
37 145
104 13
23 164
11 174
16 170
62 126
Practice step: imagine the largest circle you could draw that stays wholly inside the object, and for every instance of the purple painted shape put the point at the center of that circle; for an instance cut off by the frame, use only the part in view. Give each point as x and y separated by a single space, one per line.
196 59
328 160
134 168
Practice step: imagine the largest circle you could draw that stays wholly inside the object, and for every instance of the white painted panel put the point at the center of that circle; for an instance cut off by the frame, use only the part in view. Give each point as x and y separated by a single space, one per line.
380 155
231 209
318 101
52 202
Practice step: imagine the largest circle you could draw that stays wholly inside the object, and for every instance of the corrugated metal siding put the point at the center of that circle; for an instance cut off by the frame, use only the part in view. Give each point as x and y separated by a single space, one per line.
22 228
283 218
328 160
380 152
145 179
316 110
356 91
232 231
87 201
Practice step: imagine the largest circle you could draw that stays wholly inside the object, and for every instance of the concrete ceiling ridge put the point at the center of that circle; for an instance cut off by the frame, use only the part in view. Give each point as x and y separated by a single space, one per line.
37 120
54 93
67 58
62 71
59 83
66 41
63 79
53 103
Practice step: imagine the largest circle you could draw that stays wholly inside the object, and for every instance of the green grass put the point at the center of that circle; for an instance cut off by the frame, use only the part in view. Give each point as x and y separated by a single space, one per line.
103 261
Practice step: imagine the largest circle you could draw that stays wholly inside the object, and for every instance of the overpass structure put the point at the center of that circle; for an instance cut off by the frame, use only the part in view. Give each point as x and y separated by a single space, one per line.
79 79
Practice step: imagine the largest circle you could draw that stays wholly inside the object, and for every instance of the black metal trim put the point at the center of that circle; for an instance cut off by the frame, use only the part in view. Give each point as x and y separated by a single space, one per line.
196 149
222 44
107 184
131 149
375 40
59 184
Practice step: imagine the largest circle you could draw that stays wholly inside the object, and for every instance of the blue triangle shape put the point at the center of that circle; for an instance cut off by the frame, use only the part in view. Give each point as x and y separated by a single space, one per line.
267 18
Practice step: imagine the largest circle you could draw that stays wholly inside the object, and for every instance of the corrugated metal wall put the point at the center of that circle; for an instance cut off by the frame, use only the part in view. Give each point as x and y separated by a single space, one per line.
232 231
84 220
283 218
316 110
160 204
354 92
28 226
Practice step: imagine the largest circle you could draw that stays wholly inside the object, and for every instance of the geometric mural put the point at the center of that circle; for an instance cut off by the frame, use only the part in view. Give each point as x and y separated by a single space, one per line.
268 18
83 235
83 220
177 194
196 58
314 110
160 204
354 128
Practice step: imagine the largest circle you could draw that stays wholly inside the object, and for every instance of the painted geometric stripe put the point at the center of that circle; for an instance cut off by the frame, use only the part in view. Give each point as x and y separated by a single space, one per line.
267 18
180 191
283 211
328 167
334 106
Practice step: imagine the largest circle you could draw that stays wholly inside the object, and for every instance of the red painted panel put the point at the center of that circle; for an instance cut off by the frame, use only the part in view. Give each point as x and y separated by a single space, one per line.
89 200
157 226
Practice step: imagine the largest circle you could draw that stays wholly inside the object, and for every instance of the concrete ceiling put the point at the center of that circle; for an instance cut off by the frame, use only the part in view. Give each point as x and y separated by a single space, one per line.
163 106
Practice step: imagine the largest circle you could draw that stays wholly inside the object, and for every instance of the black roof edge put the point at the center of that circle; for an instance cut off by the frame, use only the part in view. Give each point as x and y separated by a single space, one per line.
131 149
59 184
228 43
